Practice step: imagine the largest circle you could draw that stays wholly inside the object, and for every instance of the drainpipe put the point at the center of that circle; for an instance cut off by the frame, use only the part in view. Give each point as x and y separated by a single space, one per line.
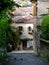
35 29
34 7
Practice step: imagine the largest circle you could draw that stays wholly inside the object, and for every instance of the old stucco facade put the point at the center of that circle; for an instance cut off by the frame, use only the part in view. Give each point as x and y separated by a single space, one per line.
31 22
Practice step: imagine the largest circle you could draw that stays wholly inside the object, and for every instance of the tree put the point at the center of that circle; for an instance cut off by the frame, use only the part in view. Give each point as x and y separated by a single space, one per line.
13 37
6 4
33 0
3 39
3 30
45 27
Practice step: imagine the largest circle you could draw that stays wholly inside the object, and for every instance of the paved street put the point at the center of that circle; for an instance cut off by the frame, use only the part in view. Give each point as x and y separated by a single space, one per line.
26 59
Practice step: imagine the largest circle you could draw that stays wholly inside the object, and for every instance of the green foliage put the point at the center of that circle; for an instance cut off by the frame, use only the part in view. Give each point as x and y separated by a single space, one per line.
44 55
45 27
33 0
47 57
13 37
6 4
3 56
18 5
6 34
3 30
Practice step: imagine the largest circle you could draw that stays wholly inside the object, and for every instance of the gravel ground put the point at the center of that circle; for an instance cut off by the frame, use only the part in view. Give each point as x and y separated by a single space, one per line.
26 59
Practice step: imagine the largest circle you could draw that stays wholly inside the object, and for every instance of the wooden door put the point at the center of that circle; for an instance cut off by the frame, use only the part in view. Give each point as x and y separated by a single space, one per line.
24 44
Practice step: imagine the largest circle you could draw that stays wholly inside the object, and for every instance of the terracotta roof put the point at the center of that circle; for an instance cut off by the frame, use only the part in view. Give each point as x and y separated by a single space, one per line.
22 11
19 12
23 19
22 15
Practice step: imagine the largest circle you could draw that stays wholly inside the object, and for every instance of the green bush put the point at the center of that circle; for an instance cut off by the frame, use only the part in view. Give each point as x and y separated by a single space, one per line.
13 37
47 57
6 4
33 0
3 31
45 27
3 56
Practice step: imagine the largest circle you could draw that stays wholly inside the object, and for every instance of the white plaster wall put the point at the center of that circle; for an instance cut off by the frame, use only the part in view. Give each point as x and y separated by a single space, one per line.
25 30
43 0
29 43
42 7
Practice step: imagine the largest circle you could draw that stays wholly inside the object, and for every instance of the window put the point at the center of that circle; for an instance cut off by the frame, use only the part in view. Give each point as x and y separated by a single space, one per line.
19 43
29 28
20 28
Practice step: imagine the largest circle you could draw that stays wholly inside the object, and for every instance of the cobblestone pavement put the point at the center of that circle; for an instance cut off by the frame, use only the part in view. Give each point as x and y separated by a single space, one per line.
26 59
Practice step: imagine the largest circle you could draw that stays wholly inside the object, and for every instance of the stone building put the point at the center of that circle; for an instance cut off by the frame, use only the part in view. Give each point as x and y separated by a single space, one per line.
23 20
27 19
25 27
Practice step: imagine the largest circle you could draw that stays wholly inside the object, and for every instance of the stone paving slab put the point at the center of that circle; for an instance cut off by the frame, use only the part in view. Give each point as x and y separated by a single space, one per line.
23 51
26 59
